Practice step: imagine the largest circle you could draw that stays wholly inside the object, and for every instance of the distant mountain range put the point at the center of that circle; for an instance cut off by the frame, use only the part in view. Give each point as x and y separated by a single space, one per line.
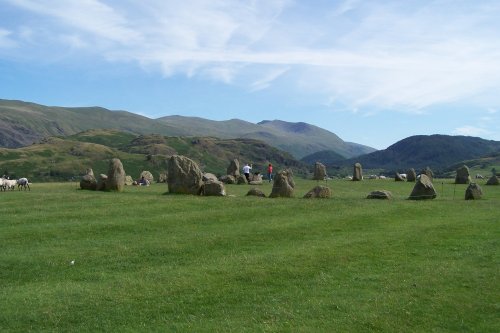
23 123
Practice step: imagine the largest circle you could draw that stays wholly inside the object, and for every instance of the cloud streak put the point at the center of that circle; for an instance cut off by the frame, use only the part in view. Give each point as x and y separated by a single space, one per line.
378 54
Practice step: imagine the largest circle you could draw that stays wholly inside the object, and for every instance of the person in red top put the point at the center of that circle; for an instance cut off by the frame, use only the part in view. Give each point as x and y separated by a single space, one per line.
270 172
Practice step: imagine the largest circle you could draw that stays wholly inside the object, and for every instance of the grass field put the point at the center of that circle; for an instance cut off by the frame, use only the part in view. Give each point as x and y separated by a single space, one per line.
149 261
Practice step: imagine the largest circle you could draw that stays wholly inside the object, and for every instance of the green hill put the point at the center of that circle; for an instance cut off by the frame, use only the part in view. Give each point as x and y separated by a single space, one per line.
22 124
64 158
436 151
327 157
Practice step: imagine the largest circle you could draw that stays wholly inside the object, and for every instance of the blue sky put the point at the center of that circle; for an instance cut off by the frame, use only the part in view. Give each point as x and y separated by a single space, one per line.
373 72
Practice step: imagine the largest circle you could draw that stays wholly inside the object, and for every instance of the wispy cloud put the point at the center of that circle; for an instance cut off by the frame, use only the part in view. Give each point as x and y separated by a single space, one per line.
381 54
471 131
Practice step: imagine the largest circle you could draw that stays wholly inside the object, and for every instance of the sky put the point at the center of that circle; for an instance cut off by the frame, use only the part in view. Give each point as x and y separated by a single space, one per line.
371 71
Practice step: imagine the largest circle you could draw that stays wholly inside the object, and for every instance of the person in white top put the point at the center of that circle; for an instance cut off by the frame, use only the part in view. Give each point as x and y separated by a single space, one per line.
246 171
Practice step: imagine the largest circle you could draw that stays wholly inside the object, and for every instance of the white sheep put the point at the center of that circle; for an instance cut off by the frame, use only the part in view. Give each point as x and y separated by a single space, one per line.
9 184
23 183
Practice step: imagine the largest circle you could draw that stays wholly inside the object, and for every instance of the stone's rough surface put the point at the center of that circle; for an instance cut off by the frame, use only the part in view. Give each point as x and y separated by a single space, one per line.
357 174
319 171
116 176
234 168
473 192
240 180
128 180
283 185
256 192
88 182
398 177
493 181
213 188
227 179
381 194
423 189
101 182
411 175
319 192
428 172
463 175
147 175
184 175
209 176
162 178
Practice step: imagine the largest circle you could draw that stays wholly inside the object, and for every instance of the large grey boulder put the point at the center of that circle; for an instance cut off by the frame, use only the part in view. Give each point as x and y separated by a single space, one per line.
357 173
411 175
493 181
380 194
227 179
147 175
116 176
256 179
398 177
319 171
234 168
184 175
209 176
256 192
88 182
463 175
319 191
423 189
473 192
213 188
283 185
240 180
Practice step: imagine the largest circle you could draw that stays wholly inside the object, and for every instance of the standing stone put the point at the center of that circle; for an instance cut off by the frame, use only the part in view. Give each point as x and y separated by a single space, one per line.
319 171
256 179
227 179
184 175
357 172
411 175
213 188
88 182
241 179
162 177
380 194
209 176
428 172
473 192
463 175
283 185
128 180
319 191
234 168
423 189
101 182
493 180
90 172
147 175
398 177
116 176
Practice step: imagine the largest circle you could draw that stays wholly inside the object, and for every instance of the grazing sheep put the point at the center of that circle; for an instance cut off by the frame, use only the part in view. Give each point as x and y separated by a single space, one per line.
9 184
23 183
2 186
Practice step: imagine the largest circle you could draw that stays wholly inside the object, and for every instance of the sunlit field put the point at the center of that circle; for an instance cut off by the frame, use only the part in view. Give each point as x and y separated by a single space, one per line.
145 260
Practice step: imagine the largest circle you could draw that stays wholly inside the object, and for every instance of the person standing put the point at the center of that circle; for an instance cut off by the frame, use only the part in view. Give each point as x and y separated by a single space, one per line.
270 172
246 171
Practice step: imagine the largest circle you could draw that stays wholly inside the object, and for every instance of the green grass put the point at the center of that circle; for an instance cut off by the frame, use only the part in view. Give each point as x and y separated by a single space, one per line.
150 261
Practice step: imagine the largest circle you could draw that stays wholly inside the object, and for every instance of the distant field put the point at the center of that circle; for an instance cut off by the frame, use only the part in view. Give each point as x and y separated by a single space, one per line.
149 261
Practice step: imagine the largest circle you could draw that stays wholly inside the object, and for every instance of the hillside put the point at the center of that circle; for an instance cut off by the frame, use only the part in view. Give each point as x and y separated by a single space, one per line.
436 151
327 157
300 139
64 158
22 124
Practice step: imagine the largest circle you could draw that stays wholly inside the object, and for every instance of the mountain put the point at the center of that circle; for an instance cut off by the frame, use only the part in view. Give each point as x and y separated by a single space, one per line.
63 158
436 151
299 139
23 123
327 157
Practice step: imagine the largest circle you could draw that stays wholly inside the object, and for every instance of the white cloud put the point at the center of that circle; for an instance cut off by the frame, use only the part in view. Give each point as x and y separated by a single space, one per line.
377 54
5 40
471 131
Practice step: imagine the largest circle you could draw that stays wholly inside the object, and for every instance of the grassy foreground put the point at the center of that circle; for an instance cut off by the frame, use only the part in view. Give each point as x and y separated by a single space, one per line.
147 261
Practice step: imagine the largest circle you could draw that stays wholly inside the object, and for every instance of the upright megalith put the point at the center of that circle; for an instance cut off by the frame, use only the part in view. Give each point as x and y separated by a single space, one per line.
147 176
423 189
213 187
283 185
463 175
398 177
473 192
357 173
493 180
234 168
184 175
88 181
428 172
411 175
319 171
116 176
101 182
